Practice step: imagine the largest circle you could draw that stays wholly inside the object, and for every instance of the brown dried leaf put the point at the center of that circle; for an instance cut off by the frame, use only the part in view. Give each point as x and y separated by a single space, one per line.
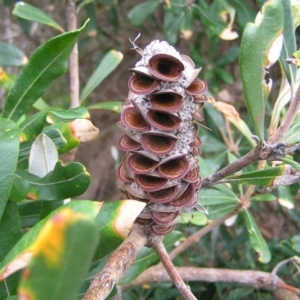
84 130
228 35
288 176
227 110
128 212
17 264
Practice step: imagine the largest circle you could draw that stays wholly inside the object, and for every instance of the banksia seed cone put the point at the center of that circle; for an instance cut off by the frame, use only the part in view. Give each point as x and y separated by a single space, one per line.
159 121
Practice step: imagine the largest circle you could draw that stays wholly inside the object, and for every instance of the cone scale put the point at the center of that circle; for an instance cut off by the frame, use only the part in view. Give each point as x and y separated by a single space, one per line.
161 136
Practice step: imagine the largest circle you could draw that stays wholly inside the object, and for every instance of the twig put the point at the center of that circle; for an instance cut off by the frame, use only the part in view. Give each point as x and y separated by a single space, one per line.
245 200
263 151
248 159
259 152
74 66
288 120
284 262
257 279
161 251
194 238
125 254
116 265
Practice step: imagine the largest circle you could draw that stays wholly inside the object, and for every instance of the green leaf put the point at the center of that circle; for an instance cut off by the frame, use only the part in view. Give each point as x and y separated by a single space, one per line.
43 156
23 247
263 197
19 189
11 56
141 12
31 13
69 114
115 220
214 120
217 211
293 135
214 196
296 13
172 24
40 105
30 211
110 61
218 201
287 248
9 149
289 43
9 287
85 2
210 16
187 24
256 240
48 62
238 293
54 134
13 298
296 242
206 168
245 12
31 127
211 144
285 94
196 218
285 197
63 182
111 105
106 217
260 48
66 132
10 233
264 177
61 257
230 56
291 162
10 229
224 75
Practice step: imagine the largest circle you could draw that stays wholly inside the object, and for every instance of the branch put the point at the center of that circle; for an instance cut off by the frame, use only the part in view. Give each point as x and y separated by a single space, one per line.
161 251
74 66
295 259
125 254
262 151
257 279
288 120
116 265
239 164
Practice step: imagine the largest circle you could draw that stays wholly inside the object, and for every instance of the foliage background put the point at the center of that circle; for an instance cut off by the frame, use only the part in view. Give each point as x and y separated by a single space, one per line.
111 28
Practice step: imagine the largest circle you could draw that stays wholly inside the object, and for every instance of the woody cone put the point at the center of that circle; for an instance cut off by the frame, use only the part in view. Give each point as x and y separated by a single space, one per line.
160 126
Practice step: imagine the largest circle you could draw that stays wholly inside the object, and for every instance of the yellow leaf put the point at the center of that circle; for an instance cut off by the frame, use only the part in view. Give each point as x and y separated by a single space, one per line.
50 241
